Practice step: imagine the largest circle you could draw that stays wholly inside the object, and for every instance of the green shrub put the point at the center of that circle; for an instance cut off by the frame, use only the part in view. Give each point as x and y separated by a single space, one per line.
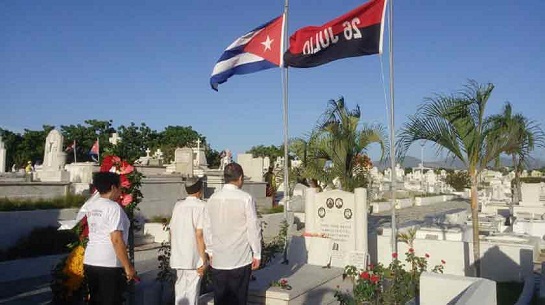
63 202
459 180
532 179
159 219
40 241
276 209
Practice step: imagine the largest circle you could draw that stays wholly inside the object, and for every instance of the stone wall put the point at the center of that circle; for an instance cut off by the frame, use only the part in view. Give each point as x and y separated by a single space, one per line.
33 190
19 224
515 259
160 195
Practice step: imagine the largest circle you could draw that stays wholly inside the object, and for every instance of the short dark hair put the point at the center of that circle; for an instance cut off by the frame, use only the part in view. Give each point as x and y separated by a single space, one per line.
193 186
103 181
232 172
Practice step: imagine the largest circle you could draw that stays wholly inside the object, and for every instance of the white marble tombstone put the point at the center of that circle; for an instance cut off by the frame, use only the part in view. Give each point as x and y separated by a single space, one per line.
183 161
342 218
266 163
54 159
253 167
2 157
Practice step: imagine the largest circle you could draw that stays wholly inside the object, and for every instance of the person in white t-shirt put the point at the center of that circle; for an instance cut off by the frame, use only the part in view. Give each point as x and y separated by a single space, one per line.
235 239
106 263
187 242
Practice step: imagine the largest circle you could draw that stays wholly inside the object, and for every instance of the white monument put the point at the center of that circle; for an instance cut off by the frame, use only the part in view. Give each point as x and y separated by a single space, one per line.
2 157
54 159
183 161
253 167
226 158
199 156
336 227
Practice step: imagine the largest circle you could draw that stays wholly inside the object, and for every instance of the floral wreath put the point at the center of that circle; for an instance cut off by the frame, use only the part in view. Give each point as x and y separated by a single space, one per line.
68 285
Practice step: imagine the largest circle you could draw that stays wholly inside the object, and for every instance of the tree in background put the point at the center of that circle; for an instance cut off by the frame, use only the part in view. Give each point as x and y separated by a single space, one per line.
85 136
337 146
271 151
135 139
520 136
459 180
12 141
457 124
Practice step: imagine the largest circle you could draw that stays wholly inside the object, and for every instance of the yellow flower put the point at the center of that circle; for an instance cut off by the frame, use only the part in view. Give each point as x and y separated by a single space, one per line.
73 269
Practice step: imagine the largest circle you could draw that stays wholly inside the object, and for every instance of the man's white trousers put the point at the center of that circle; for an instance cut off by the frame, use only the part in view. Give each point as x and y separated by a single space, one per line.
187 287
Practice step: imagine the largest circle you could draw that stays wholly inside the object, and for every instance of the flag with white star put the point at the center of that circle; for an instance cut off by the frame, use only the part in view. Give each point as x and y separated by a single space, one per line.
256 50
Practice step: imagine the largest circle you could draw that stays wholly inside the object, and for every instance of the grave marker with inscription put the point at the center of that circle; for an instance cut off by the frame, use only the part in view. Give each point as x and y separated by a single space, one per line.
340 217
183 161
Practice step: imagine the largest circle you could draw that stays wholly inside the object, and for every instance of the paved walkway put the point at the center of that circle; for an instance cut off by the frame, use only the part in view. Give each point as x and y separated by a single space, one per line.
36 291
417 213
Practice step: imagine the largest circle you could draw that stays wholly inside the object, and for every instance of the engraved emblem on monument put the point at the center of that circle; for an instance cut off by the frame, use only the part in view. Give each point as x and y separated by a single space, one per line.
321 212
329 203
347 213
338 203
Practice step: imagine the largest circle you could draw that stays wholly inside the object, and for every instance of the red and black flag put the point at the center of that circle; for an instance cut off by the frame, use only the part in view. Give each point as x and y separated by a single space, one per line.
356 33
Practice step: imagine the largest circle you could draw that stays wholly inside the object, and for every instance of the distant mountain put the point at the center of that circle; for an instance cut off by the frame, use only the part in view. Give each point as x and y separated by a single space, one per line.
449 163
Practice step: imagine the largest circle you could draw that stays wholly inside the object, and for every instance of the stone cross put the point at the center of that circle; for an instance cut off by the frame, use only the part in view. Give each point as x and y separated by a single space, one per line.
147 152
114 139
158 154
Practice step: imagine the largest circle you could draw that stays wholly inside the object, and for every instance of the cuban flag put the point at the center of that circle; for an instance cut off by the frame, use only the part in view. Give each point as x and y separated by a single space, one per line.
256 50
94 151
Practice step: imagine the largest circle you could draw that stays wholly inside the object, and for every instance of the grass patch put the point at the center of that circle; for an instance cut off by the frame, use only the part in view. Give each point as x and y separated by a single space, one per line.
40 241
63 202
159 219
276 209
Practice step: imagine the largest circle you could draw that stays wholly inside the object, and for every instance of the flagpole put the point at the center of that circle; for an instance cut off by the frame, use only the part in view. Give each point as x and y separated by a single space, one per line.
98 151
284 73
74 148
392 125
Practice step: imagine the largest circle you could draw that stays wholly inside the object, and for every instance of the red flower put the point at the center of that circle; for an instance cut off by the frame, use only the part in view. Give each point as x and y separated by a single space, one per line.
365 275
427 255
443 262
85 228
108 162
394 255
371 266
126 199
126 168
375 278
411 250
125 183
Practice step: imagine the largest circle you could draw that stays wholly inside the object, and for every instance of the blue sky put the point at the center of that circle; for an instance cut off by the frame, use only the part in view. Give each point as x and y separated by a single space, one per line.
62 62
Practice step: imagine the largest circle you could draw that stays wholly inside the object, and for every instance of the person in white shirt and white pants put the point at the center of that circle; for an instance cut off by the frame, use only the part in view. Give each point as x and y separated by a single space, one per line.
235 239
188 256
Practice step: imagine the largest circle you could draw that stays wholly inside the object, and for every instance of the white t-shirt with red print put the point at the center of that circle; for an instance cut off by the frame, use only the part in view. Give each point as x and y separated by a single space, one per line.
104 216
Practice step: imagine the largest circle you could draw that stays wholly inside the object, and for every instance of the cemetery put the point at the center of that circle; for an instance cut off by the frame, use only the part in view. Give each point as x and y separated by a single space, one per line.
345 214
327 230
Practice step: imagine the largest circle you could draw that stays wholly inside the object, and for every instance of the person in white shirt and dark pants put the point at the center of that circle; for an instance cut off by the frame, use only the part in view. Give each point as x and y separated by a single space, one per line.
106 263
235 239
188 256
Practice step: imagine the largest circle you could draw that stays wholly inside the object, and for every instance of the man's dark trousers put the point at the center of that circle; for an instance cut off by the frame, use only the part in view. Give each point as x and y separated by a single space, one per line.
231 286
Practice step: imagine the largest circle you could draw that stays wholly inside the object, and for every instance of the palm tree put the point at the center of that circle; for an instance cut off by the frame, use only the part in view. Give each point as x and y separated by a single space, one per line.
457 124
520 136
336 142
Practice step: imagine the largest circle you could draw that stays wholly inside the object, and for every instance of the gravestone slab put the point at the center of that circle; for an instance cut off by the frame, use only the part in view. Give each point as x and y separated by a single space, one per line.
2 157
183 161
341 217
